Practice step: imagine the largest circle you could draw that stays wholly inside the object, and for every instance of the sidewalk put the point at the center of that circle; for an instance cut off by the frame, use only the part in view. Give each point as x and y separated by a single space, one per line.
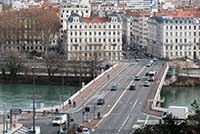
148 103
77 99
94 85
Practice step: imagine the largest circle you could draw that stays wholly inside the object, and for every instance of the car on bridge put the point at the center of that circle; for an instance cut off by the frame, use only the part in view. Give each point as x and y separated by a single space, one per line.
113 88
147 83
132 87
137 78
100 101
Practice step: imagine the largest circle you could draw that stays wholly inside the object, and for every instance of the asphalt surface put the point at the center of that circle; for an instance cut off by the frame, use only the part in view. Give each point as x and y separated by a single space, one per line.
127 114
123 109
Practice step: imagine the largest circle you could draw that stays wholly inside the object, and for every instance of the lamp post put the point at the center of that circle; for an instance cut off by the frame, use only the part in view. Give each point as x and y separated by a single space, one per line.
33 86
4 119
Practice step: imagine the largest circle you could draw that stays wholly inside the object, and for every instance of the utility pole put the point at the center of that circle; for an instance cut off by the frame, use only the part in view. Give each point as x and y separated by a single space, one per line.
4 119
33 87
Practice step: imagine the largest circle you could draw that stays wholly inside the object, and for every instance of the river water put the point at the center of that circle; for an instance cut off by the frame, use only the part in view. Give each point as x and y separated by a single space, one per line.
180 96
20 95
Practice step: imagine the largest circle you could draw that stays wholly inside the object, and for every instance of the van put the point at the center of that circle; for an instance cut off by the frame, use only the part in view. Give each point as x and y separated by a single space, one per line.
132 87
59 119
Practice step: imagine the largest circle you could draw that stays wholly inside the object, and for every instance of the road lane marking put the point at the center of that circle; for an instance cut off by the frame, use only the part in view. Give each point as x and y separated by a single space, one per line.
141 70
88 100
119 99
126 118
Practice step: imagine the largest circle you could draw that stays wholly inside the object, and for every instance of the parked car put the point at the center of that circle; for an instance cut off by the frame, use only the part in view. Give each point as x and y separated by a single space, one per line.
147 83
113 88
85 130
137 78
59 119
132 87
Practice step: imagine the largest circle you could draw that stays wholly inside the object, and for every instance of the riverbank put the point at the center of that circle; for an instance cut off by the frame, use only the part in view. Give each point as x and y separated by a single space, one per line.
182 81
45 80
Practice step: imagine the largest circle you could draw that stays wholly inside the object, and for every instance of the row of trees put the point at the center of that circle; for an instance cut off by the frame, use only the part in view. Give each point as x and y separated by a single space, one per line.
52 63
171 125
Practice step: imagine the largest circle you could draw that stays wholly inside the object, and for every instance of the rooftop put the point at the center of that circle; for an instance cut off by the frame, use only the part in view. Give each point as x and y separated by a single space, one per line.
94 20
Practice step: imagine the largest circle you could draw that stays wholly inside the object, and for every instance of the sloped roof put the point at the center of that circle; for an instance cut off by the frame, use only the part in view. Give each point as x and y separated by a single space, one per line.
94 20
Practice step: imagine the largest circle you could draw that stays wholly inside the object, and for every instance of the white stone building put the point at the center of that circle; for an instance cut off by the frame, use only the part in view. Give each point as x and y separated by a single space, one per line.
94 37
175 35
136 28
67 10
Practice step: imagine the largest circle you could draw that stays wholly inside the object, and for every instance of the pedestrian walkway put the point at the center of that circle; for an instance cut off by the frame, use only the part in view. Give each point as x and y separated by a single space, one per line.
14 129
89 91
150 99
22 130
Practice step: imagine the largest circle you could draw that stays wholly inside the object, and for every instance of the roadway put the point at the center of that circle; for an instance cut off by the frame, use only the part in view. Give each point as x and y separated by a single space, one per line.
128 112
123 109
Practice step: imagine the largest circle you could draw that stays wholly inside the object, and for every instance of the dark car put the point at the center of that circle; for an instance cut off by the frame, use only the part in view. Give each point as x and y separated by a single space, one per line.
113 88
132 87
100 101
147 74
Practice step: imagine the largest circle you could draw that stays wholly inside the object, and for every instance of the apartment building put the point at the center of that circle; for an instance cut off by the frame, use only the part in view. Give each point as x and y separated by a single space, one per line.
94 37
136 28
175 35
67 9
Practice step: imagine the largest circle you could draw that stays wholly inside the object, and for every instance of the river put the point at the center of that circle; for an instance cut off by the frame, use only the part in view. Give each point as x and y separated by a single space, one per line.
180 96
20 95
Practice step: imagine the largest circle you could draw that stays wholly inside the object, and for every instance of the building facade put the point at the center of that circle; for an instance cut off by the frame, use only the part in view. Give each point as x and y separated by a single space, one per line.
136 28
67 10
175 35
94 37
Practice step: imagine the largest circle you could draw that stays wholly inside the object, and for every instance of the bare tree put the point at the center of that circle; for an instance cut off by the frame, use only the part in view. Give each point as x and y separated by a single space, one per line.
53 62
13 63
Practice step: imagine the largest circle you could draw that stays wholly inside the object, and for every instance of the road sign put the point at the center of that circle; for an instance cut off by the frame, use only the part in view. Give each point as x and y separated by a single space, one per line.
16 111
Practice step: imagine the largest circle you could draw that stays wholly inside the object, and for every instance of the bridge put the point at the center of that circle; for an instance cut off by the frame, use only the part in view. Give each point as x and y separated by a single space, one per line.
124 110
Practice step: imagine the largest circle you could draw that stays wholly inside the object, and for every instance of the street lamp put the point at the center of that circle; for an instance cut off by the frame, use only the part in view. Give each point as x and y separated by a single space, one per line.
33 87
4 130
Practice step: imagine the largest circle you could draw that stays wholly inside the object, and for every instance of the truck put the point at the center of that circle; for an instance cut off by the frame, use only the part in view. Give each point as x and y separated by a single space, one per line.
179 112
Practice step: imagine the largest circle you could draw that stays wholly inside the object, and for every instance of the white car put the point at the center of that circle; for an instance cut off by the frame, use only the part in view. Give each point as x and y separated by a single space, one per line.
85 130
147 83
59 119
